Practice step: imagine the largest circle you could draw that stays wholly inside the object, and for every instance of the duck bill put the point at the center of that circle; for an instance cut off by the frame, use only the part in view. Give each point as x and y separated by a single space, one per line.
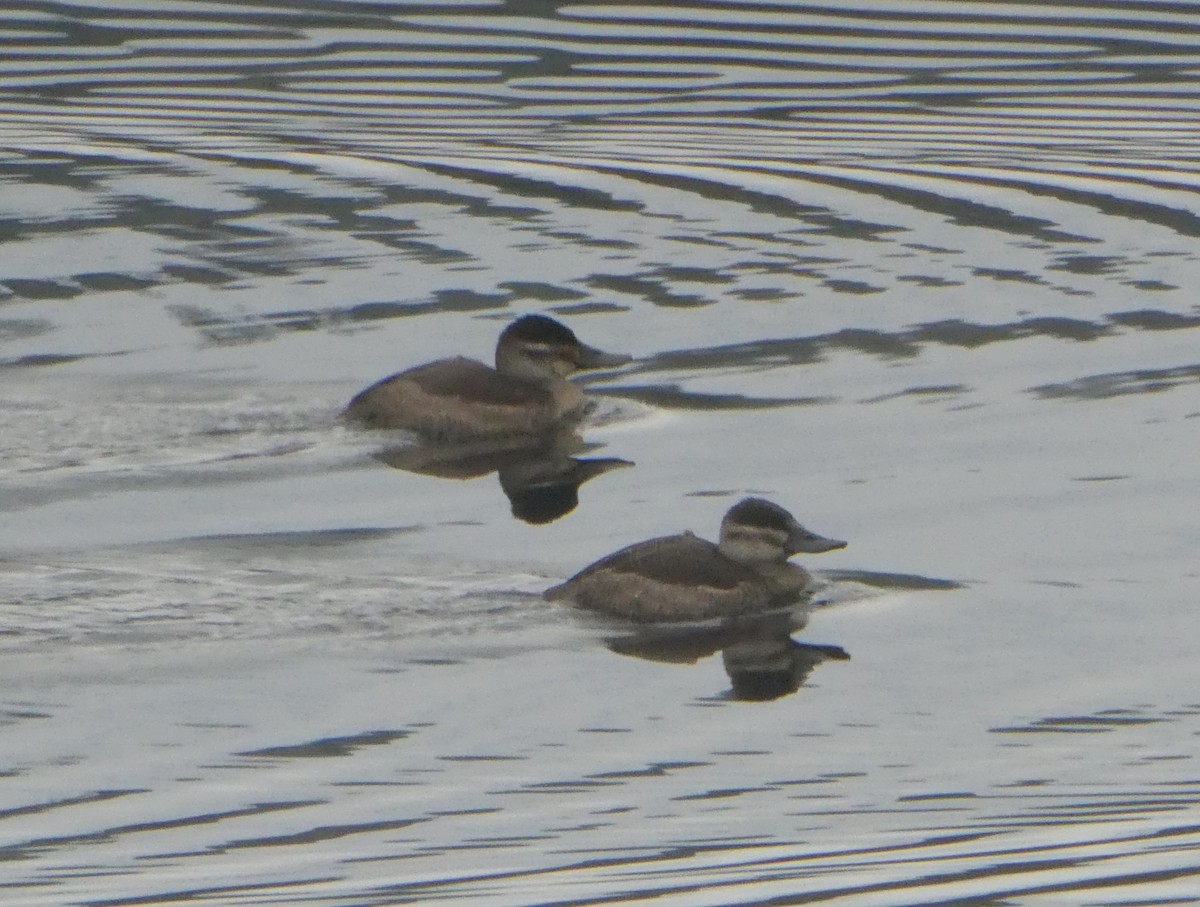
590 357
805 542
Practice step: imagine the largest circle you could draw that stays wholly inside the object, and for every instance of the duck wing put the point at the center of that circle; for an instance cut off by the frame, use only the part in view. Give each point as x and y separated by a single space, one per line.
675 578
473 382
681 560
452 399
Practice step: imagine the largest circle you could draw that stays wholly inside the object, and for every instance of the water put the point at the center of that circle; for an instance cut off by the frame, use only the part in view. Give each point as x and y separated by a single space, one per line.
919 272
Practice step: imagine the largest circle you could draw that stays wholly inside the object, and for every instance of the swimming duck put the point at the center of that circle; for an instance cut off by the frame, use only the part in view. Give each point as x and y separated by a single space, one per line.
686 578
462 399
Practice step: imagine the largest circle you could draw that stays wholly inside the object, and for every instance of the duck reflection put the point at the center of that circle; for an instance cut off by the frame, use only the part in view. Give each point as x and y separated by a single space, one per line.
765 669
760 656
540 478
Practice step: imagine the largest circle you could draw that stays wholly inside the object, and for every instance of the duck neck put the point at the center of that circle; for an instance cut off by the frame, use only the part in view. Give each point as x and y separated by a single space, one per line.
785 581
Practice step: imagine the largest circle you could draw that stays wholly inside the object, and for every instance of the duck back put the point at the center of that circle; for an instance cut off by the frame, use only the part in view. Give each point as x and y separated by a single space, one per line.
458 399
674 578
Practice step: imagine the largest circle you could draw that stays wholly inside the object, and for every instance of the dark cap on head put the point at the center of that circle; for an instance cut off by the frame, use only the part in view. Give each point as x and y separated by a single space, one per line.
540 329
760 512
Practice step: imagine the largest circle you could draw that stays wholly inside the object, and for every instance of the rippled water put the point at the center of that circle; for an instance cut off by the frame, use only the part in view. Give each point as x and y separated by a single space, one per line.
921 272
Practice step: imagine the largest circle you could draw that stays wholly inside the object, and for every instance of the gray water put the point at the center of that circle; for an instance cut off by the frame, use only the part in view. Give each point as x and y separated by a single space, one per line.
923 273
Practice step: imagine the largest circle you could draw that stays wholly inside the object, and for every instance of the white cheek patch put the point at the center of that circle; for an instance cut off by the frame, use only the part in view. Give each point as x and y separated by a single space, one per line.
560 360
540 350
776 539
758 542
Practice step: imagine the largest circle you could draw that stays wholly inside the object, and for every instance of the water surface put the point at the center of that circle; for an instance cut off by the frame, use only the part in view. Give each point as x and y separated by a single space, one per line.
919 272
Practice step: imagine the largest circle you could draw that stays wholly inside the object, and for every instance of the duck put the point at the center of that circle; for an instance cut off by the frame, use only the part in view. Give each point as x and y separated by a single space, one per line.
687 578
461 400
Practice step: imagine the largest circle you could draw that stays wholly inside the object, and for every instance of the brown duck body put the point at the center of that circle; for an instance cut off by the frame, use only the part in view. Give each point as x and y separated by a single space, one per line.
460 399
680 577
526 395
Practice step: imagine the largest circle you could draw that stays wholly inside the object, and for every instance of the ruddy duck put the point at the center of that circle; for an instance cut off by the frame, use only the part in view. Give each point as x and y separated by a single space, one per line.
685 578
461 399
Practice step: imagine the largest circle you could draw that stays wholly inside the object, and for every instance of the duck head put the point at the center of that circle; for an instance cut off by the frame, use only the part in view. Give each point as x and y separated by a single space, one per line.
540 349
755 531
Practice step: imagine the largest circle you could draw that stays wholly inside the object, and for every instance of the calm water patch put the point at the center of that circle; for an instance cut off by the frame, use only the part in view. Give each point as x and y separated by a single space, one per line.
919 273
